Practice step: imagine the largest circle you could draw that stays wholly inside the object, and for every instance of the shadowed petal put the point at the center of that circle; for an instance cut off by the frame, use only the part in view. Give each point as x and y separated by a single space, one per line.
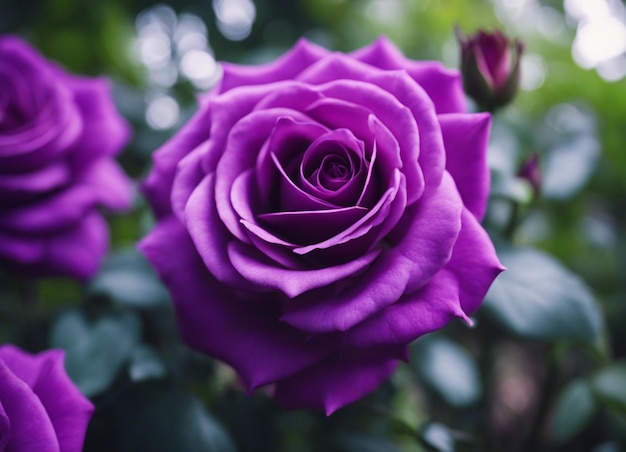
337 381
245 334
312 226
76 251
264 273
105 132
51 214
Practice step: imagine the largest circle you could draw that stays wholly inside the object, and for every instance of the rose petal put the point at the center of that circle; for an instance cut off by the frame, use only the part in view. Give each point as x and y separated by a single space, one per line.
474 263
5 428
443 86
336 381
421 312
189 174
19 65
245 140
465 137
423 251
294 95
411 106
104 132
110 185
21 187
50 121
455 292
51 133
158 185
293 198
51 214
264 273
421 147
31 428
242 333
75 251
374 217
65 405
79 250
381 148
287 139
339 142
229 108
298 58
308 227
209 234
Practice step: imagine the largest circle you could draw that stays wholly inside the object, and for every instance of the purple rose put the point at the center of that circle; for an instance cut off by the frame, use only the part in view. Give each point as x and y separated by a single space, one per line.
319 213
40 408
58 136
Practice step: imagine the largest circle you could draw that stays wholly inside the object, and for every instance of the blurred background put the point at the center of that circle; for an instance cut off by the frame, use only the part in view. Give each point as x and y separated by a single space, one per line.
570 110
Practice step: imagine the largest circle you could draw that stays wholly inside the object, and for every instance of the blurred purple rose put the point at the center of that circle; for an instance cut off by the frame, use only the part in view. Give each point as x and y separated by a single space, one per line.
58 136
40 408
319 213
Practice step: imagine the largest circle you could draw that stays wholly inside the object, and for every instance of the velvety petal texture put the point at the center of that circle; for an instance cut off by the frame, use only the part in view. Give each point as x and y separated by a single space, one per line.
40 407
319 213
59 134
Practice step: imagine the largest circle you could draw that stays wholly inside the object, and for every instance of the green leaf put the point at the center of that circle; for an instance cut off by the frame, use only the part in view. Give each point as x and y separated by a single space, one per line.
609 385
448 369
145 364
158 416
127 278
538 298
95 353
574 409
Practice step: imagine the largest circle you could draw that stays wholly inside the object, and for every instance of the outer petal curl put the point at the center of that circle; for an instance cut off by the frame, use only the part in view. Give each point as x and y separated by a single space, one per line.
244 333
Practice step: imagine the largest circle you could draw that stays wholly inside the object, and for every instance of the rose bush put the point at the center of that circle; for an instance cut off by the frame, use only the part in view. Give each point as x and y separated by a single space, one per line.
40 408
318 214
58 134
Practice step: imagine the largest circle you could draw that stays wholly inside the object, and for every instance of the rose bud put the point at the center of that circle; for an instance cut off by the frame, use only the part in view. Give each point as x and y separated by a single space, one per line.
318 214
490 66
531 171
40 407
59 134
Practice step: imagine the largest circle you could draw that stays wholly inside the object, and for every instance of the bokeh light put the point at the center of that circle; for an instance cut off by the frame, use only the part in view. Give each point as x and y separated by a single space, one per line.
600 41
235 18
